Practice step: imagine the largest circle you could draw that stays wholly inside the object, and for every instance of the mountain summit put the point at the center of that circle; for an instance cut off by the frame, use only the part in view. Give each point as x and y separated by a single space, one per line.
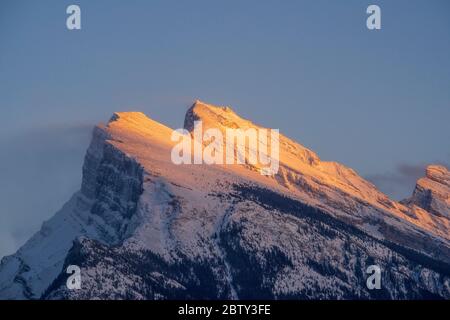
142 227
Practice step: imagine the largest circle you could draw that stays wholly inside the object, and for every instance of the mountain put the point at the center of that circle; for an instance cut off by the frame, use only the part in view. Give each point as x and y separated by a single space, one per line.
142 227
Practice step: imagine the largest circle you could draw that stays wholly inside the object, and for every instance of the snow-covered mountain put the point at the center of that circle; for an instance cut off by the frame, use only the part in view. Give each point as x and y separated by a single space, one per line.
142 227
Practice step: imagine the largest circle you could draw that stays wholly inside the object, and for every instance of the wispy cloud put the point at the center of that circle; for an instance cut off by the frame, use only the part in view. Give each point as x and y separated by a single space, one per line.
400 183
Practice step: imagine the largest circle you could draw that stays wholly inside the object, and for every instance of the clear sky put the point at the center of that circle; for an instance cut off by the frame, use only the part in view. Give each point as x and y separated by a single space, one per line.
377 101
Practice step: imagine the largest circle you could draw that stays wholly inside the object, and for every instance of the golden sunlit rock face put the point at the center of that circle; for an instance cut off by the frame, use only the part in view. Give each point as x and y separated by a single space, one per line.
302 173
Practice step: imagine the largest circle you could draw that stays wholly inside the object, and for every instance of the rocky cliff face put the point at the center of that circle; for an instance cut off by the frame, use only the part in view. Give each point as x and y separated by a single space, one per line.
142 227
113 182
432 192
102 210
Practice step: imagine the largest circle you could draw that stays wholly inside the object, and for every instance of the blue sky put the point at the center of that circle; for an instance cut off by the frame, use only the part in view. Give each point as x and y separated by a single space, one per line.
377 101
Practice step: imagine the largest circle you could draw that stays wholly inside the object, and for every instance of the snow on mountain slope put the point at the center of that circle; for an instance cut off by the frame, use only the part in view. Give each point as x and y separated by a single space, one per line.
143 227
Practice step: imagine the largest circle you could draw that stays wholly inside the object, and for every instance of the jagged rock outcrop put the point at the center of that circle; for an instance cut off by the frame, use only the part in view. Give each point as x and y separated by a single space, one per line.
432 192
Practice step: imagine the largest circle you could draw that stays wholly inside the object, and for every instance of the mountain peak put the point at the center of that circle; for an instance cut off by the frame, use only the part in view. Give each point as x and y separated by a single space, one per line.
127 115
132 122
210 114
438 173
201 104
